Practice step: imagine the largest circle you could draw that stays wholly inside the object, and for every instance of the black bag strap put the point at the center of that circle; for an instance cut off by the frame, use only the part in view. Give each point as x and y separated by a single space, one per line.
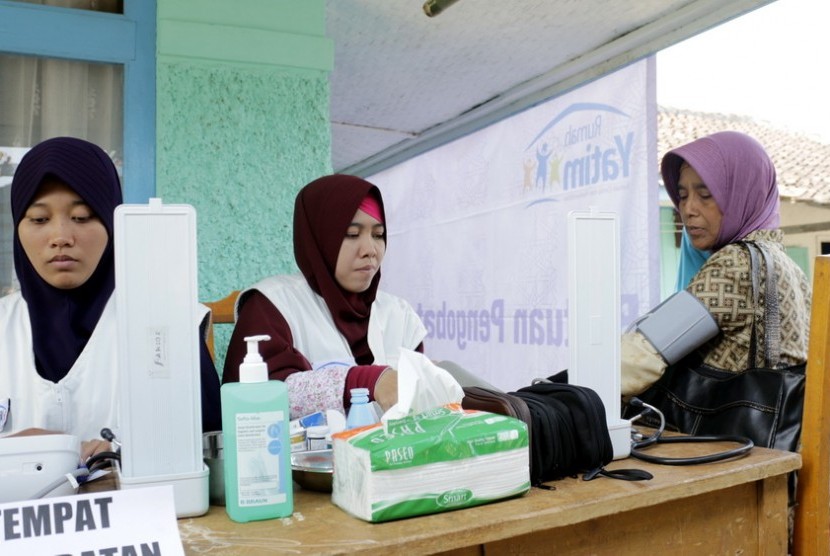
621 474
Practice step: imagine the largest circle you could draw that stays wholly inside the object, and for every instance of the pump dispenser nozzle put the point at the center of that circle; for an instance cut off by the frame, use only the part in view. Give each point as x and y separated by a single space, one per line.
253 368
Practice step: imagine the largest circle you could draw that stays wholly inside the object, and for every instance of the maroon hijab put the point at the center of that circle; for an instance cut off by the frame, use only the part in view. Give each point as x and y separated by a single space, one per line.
323 211
740 176
63 320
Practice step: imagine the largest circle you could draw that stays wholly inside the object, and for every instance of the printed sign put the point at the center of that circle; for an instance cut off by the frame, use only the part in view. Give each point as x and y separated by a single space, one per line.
478 227
136 522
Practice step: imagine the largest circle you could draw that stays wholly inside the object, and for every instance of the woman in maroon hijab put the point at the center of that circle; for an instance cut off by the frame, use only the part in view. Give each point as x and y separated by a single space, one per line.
724 187
331 328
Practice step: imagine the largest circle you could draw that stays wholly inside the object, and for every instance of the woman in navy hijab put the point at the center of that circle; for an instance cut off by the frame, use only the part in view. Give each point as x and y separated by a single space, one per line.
58 366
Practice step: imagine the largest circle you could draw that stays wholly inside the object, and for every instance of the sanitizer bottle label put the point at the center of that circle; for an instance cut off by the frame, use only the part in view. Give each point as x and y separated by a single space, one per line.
259 445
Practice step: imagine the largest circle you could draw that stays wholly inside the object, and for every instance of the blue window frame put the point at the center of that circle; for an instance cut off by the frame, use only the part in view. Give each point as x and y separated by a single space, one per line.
128 39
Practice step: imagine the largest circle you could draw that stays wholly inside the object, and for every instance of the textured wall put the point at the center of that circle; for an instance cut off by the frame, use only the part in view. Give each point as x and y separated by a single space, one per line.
237 140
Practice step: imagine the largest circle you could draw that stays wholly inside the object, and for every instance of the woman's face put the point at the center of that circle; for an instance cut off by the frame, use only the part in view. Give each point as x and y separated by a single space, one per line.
360 254
698 209
63 239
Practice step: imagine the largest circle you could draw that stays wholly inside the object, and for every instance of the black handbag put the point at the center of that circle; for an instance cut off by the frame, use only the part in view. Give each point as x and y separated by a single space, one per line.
762 404
566 425
570 432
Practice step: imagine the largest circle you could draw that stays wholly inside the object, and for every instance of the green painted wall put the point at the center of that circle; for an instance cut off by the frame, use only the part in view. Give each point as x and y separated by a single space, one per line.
242 124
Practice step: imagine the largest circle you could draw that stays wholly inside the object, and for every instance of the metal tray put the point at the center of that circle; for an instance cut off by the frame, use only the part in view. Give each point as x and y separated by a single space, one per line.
313 470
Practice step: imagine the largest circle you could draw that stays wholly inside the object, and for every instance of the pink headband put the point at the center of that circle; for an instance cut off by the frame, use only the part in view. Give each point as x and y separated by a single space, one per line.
370 206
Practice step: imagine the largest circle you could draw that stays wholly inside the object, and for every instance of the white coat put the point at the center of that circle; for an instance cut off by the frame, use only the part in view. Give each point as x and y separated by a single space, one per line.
82 402
393 323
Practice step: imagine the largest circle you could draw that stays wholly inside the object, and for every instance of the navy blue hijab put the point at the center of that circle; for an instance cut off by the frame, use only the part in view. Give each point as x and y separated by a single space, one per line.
63 320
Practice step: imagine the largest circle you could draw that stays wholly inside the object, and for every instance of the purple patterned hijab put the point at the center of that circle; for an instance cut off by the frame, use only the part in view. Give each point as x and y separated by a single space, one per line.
740 176
63 320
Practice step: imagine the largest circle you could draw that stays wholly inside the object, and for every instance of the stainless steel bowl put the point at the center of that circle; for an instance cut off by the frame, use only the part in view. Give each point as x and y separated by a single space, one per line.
313 470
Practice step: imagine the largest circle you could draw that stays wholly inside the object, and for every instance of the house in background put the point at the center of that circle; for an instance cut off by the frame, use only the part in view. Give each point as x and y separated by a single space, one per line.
802 165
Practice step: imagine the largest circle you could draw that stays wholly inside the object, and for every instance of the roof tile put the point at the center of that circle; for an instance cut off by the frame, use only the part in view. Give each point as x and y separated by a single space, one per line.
802 163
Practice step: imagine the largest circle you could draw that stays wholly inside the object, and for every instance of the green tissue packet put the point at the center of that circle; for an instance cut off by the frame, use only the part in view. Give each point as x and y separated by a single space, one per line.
442 459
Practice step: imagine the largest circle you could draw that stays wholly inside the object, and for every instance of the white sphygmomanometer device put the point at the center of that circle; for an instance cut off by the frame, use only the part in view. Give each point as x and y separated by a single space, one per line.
39 466
675 328
156 299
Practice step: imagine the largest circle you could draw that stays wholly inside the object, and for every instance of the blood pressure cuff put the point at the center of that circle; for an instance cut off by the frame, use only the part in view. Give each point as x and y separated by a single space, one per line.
677 326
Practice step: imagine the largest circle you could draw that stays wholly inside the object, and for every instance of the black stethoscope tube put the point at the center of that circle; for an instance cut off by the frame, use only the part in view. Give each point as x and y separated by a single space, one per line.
638 445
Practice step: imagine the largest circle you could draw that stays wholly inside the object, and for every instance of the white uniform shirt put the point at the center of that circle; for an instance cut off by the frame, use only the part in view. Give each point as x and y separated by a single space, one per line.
393 323
82 402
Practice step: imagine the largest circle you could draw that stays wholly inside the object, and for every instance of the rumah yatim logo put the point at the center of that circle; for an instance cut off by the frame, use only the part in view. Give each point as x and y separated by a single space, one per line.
578 149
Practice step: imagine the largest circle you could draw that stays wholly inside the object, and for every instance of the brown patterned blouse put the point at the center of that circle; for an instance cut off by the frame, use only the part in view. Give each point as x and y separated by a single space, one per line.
724 286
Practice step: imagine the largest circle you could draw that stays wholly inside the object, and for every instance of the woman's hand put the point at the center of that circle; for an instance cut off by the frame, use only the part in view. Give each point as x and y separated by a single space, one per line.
33 432
91 447
386 389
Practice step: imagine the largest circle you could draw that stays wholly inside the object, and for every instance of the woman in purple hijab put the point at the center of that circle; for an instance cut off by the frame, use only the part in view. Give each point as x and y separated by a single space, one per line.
724 188
58 361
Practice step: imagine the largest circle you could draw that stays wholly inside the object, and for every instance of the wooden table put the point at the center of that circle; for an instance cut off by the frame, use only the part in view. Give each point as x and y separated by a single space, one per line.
733 507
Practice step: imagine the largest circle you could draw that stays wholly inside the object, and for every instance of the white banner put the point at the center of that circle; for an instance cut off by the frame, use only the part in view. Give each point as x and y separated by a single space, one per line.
478 227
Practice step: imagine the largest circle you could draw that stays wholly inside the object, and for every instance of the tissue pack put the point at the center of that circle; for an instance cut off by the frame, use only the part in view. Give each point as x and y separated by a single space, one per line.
439 460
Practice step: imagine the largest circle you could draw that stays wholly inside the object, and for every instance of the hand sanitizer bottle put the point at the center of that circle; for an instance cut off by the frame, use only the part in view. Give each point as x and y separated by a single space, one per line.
361 413
255 423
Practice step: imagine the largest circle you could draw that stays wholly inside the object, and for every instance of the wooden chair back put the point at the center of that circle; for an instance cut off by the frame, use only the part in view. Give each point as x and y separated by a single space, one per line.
221 312
812 513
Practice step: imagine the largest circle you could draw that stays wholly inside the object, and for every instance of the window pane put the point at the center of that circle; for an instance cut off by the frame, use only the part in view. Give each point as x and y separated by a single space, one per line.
42 98
110 6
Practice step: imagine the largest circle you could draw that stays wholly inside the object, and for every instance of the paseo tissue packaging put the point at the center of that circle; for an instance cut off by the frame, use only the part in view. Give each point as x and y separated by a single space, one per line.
442 459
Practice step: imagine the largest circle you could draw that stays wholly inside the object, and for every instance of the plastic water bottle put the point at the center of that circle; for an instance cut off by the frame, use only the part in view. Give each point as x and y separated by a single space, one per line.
361 413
